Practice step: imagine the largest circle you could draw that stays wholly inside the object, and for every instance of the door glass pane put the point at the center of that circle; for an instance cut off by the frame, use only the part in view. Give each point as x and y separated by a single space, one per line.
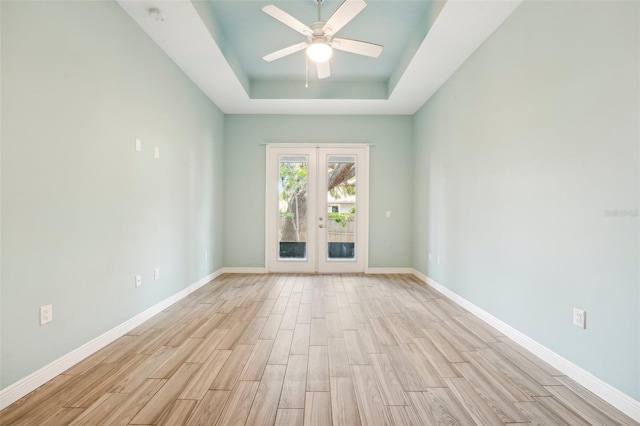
292 205
341 206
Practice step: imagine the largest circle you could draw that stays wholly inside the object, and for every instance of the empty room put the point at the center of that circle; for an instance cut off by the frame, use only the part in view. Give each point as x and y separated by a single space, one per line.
319 212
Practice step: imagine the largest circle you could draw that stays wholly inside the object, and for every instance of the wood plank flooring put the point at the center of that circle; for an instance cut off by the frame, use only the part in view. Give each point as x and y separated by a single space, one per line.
312 350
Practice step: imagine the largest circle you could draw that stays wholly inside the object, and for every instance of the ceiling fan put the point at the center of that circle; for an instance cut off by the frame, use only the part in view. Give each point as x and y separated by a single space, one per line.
320 36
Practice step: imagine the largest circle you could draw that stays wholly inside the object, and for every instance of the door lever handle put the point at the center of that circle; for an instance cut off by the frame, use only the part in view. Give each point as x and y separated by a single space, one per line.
321 226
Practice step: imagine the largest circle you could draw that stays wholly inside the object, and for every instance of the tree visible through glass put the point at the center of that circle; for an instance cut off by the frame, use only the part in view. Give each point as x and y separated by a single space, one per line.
293 193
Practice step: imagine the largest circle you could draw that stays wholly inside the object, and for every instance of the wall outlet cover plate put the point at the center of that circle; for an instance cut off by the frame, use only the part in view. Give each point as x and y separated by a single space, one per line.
579 317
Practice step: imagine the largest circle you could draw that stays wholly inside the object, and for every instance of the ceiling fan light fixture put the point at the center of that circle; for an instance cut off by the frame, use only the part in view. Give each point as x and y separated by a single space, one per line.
319 51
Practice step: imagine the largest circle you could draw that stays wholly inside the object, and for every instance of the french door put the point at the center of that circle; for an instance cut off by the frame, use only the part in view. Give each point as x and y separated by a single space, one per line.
317 208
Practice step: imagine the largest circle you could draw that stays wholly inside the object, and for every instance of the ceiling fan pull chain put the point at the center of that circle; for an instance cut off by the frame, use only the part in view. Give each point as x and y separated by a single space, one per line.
306 71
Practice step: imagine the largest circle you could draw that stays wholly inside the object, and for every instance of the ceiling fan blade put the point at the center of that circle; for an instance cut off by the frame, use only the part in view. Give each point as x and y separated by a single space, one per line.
288 20
356 46
341 17
324 69
284 52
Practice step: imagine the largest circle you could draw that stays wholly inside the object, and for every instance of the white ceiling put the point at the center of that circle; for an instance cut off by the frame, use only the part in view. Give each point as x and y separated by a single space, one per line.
219 43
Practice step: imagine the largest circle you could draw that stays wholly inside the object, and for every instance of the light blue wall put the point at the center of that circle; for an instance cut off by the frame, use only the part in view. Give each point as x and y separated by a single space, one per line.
518 158
390 240
82 212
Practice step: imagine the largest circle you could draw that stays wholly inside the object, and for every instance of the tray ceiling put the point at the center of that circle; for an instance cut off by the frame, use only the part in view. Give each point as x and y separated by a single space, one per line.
219 44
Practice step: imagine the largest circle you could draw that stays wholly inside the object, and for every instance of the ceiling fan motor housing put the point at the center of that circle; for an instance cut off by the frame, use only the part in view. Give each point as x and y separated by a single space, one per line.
316 27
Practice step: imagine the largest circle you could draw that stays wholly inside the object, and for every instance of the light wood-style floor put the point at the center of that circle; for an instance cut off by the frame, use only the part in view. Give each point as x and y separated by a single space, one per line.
312 350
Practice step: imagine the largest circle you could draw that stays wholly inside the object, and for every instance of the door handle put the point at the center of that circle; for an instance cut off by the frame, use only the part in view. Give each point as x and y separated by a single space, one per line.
321 226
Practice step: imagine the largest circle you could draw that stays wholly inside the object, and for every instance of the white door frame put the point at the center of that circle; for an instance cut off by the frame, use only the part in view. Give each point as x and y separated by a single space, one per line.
314 211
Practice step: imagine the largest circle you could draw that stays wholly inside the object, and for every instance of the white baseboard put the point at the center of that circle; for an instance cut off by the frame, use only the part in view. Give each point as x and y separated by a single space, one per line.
244 270
373 271
613 396
17 390
261 270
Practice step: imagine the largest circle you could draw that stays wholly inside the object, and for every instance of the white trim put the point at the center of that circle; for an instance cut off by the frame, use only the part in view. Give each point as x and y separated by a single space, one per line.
419 275
370 271
374 271
22 387
365 218
314 145
613 396
243 270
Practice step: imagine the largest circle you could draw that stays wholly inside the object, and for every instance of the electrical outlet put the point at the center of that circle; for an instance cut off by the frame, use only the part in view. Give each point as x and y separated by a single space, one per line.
156 274
46 314
206 255
138 144
438 259
138 280
156 152
387 214
579 318
429 257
